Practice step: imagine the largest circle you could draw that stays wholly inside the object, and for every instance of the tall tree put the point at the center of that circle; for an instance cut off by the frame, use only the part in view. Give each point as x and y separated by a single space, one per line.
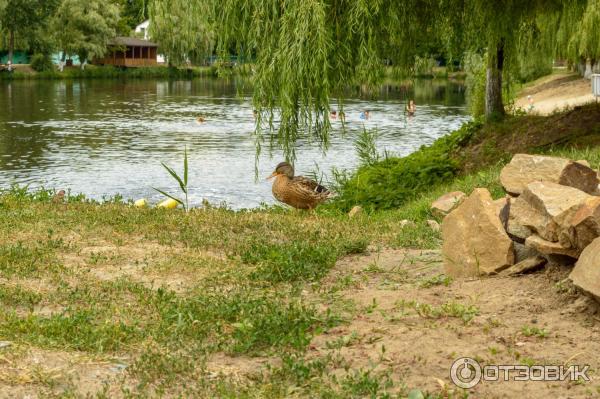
495 25
182 28
21 17
133 12
84 27
578 35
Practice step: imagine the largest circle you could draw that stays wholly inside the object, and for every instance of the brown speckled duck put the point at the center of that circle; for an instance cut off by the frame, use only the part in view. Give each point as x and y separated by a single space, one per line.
297 191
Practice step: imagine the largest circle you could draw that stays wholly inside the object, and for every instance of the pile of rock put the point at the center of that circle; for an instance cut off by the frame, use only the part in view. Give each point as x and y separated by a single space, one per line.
551 213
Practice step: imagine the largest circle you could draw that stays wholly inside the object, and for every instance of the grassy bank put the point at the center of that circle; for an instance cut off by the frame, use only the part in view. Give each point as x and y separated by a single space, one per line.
393 182
251 303
107 72
168 290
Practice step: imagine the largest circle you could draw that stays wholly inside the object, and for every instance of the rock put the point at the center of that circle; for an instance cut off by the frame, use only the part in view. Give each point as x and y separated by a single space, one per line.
549 248
586 273
447 202
435 226
522 252
5 344
503 210
584 163
475 241
583 226
355 211
546 208
526 266
524 169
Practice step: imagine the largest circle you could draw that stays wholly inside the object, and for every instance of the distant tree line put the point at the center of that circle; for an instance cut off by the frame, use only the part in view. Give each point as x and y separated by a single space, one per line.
75 27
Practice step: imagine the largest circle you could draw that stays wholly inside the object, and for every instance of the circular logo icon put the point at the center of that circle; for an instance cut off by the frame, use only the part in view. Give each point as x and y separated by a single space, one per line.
465 372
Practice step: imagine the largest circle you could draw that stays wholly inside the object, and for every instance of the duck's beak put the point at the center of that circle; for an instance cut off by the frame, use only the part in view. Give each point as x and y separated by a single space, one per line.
274 174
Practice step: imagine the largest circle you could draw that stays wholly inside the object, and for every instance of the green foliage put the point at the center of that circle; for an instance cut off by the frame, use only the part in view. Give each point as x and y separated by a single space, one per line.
534 50
475 65
41 63
84 27
26 21
182 29
110 72
133 12
393 181
575 32
366 147
182 181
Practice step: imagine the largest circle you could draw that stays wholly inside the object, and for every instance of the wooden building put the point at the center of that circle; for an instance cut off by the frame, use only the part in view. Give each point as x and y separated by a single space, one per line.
129 52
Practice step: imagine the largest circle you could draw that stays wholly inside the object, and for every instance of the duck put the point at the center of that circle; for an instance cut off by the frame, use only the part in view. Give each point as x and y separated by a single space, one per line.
297 191
59 197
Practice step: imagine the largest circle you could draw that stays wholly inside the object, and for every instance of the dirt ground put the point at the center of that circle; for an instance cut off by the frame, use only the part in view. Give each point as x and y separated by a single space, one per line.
391 331
420 348
404 319
555 93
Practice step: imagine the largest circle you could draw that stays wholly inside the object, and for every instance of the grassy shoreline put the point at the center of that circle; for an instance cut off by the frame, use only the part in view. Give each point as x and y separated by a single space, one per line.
24 71
109 72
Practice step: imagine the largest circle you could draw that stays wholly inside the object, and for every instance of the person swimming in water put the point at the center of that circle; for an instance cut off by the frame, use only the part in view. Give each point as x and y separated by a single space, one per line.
333 115
411 108
365 115
200 119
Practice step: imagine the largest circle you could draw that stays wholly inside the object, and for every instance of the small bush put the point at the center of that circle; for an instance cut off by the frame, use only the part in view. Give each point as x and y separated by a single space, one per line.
392 182
41 63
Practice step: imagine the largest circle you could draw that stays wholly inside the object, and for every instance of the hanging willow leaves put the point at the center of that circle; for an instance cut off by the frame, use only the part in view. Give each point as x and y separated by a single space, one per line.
307 52
183 29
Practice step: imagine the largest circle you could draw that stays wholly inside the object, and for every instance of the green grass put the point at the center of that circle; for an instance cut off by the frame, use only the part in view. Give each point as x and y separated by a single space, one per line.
107 72
245 277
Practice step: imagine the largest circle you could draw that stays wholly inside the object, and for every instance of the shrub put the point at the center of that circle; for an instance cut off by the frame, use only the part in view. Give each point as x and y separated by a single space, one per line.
393 181
41 62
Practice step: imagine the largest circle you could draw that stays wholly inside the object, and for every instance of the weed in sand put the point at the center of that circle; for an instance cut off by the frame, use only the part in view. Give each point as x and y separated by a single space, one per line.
440 279
450 309
534 332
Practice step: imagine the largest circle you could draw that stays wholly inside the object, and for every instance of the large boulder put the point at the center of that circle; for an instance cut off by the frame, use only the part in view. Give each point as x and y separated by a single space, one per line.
521 215
447 202
503 210
546 208
549 248
586 273
475 241
524 169
583 226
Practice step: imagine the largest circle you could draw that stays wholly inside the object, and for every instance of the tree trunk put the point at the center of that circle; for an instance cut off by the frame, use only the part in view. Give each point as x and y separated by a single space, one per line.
493 85
588 68
11 46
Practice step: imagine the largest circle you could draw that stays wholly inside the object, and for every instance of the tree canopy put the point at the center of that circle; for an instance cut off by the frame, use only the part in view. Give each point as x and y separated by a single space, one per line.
84 27
306 52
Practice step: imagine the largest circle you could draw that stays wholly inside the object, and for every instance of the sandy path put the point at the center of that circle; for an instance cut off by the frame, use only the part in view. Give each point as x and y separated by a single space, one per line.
555 93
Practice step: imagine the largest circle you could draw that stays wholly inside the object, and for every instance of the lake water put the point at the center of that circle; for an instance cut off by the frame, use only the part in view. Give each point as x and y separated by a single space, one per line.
103 138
